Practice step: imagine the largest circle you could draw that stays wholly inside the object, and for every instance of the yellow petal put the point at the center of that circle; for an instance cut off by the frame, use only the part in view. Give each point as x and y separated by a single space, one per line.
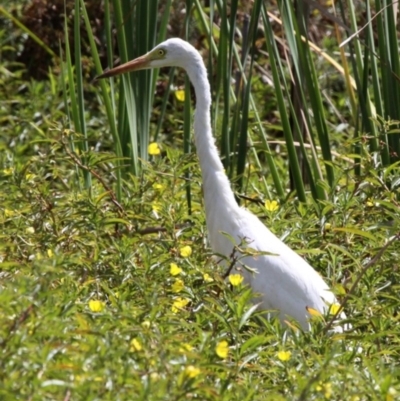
207 278
251 167
135 345
96 305
153 149
185 251
156 206
9 213
333 309
185 347
154 376
179 304
235 279
174 269
271 206
328 390
284 355
222 349
191 371
8 171
180 95
178 286
145 324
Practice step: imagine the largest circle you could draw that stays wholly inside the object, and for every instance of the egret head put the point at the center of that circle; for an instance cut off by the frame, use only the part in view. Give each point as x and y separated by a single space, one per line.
171 53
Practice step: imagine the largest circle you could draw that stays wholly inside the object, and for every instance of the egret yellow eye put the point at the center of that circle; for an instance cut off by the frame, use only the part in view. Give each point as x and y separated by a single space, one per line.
161 52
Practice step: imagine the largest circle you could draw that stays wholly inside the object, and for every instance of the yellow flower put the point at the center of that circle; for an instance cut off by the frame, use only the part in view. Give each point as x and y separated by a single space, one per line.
185 251
8 171
328 390
191 371
135 345
334 308
174 269
178 286
222 349
370 203
30 230
325 388
207 278
50 253
271 206
145 324
158 186
180 95
327 226
30 177
153 149
156 206
9 213
154 376
284 355
251 167
179 304
96 305
235 279
185 347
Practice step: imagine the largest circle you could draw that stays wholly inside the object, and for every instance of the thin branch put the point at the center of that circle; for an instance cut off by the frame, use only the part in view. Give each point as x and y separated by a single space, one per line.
16 324
363 27
160 229
233 259
82 166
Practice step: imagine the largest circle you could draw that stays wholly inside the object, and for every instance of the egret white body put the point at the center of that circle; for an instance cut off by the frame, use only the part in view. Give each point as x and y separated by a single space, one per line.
285 282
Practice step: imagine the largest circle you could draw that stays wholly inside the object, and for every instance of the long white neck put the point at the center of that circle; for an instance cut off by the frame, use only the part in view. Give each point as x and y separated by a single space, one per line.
216 185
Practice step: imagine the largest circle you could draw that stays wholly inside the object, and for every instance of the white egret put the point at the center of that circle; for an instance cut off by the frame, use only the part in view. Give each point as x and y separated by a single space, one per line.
285 282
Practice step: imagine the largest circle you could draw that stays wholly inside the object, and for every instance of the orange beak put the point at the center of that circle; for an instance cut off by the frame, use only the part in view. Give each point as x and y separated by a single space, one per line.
139 63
